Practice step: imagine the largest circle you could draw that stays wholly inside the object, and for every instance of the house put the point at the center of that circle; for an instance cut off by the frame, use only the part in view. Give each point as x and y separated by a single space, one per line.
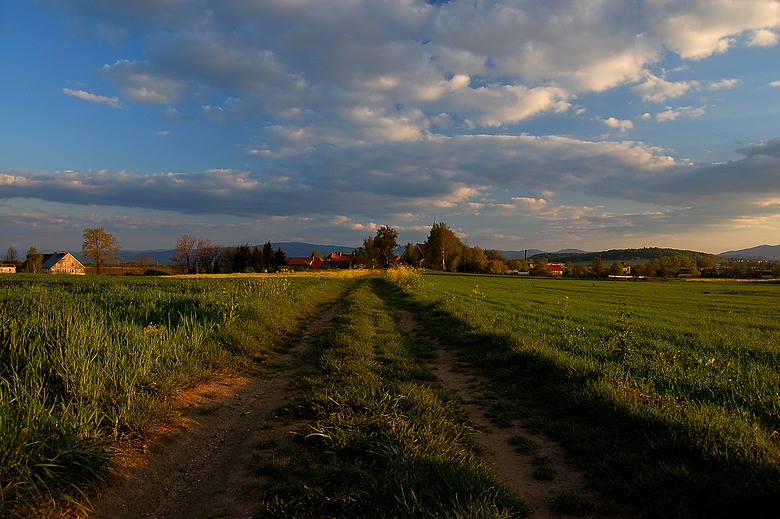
338 260
62 263
556 269
314 262
7 269
417 258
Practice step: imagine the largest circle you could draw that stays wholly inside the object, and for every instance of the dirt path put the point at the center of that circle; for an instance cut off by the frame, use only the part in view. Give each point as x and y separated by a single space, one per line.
201 468
515 468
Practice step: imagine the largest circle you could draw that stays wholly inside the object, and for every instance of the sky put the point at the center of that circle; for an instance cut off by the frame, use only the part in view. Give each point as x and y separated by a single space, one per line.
592 124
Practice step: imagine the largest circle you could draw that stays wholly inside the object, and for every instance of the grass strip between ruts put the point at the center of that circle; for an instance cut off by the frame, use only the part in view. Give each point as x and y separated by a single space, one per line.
384 440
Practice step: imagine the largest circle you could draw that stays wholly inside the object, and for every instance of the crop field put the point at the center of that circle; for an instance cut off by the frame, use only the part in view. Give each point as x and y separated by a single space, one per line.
668 394
86 363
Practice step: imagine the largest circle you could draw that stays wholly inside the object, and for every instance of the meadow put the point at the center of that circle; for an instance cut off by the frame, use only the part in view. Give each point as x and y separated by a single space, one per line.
666 393
87 363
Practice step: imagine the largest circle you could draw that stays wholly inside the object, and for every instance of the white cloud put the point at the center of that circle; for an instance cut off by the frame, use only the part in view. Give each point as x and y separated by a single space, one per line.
138 82
775 84
113 102
657 90
619 124
672 114
698 29
724 84
763 38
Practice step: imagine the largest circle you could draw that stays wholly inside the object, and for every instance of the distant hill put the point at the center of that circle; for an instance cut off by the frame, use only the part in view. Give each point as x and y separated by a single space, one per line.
620 255
761 252
520 254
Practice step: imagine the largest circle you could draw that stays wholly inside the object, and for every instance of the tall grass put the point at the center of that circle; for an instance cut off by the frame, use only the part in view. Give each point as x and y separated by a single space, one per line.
384 441
89 362
669 393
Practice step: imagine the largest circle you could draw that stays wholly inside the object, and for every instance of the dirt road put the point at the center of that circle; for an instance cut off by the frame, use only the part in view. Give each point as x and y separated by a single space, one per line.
199 468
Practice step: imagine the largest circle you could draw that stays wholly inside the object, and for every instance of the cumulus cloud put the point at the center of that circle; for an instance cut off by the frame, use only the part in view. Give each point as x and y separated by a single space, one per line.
368 109
619 124
763 38
724 84
138 82
484 65
658 90
672 114
113 102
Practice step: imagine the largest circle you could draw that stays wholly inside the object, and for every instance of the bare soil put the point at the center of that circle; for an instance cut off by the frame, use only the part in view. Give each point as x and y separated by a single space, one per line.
199 468
514 468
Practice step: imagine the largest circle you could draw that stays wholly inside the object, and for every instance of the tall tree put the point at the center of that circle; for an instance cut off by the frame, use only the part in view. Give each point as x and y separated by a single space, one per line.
99 245
184 253
34 260
371 250
268 254
279 257
443 248
385 241
11 256
242 258
205 255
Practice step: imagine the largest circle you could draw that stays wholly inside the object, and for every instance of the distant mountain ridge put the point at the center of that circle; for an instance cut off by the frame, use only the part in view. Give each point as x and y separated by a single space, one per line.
621 255
302 249
760 252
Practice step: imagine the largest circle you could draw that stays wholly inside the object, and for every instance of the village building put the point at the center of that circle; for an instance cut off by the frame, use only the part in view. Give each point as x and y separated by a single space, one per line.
7 269
338 260
417 257
314 262
62 263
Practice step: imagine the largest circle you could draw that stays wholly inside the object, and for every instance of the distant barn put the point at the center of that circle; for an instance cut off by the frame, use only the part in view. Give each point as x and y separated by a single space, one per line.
62 263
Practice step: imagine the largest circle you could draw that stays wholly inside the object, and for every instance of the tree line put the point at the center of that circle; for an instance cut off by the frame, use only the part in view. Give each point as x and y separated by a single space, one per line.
196 255
443 250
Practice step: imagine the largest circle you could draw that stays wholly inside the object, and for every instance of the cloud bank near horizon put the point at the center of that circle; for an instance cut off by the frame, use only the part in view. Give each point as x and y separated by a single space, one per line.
515 121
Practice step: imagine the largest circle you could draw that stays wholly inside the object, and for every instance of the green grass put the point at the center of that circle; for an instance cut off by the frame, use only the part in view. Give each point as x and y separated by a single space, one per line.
383 440
87 362
667 393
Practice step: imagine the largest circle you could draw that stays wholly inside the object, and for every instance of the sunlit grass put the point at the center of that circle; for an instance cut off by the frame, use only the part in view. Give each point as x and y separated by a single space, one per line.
669 393
88 362
384 441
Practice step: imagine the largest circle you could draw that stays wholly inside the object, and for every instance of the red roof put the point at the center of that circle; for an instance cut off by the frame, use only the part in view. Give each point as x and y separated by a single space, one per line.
339 256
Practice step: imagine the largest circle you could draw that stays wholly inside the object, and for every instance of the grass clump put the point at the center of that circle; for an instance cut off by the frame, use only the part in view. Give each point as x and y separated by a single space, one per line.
383 441
89 362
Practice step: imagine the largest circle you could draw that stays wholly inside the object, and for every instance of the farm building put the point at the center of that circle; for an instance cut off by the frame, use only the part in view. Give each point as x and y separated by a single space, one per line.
7 269
62 263
338 259
314 262
418 256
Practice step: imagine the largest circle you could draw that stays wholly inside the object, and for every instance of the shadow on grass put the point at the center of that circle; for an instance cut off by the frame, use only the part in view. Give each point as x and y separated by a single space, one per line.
632 455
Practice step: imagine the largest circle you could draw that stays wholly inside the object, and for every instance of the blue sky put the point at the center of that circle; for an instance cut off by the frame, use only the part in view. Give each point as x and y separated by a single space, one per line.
546 125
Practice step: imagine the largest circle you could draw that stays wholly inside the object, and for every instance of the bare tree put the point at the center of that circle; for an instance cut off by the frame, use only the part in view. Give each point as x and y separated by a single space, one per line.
99 245
184 254
205 255
11 256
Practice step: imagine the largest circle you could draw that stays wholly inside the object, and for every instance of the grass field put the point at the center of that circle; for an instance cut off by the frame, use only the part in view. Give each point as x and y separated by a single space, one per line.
87 362
667 393
384 440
